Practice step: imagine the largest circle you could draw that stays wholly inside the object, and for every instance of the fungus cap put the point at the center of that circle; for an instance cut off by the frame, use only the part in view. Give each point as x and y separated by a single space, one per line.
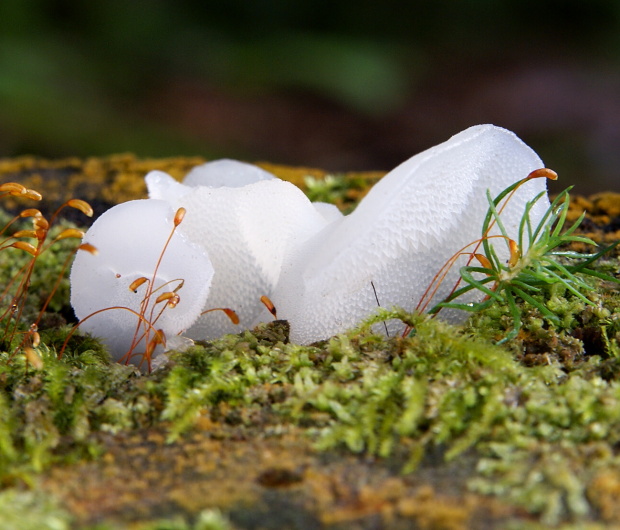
130 239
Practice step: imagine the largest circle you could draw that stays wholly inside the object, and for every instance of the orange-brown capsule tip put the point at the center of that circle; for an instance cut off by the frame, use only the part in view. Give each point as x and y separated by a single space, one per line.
234 318
81 205
31 212
12 187
174 301
515 253
70 232
133 286
26 247
484 261
269 305
178 217
164 296
159 337
33 358
91 249
40 223
543 173
25 233
32 194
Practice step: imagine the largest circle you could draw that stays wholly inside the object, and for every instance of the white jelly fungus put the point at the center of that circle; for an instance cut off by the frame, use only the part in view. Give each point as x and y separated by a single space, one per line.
129 239
325 272
249 230
405 229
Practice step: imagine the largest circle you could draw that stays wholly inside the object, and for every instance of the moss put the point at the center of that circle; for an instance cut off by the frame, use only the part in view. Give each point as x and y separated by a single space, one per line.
438 390
29 509
540 434
602 222
342 190
442 429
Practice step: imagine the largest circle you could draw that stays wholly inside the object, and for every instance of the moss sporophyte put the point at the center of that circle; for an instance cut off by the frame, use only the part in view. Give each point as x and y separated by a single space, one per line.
522 402
33 244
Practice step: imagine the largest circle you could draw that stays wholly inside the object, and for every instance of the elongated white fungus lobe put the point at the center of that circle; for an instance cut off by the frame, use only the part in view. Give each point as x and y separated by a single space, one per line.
130 239
325 272
404 231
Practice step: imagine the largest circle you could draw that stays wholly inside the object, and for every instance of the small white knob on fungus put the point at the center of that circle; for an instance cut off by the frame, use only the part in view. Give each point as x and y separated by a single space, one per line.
226 173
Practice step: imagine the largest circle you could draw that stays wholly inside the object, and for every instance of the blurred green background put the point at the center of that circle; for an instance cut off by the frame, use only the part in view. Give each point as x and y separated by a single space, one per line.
341 85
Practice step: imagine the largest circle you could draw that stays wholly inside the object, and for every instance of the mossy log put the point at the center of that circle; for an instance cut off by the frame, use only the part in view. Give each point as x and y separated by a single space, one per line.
262 451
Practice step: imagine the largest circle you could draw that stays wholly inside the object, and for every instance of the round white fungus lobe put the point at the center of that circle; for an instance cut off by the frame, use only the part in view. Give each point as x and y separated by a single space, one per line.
130 239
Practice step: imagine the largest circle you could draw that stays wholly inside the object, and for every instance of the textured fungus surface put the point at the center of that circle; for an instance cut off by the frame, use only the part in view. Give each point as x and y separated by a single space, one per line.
248 229
409 225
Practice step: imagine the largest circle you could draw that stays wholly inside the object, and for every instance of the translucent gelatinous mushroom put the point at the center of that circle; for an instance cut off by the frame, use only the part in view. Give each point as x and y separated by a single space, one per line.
130 239
250 229
324 272
405 229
